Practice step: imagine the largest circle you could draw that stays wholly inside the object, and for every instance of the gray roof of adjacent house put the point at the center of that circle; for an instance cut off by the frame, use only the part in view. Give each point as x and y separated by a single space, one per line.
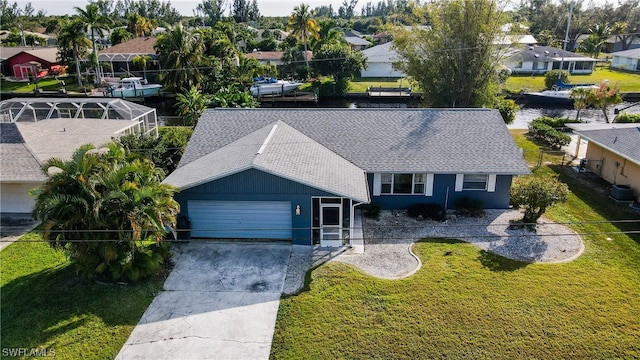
548 53
380 140
624 141
281 150
18 163
357 41
631 53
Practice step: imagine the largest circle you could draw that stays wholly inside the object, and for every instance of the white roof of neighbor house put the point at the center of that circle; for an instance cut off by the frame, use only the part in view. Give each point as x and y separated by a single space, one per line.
631 53
383 53
280 150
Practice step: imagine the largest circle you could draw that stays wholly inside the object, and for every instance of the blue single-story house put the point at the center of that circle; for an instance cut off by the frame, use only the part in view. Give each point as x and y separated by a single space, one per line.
300 174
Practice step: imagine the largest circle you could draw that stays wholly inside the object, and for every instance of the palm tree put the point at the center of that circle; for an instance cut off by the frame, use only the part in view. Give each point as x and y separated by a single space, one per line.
182 54
93 20
72 38
191 104
106 191
140 26
303 26
328 34
579 96
142 60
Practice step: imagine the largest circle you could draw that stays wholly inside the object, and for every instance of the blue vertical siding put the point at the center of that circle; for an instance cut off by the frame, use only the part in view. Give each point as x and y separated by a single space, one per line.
255 185
443 183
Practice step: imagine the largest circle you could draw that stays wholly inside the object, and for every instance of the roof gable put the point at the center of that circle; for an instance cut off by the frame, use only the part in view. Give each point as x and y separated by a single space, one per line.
278 149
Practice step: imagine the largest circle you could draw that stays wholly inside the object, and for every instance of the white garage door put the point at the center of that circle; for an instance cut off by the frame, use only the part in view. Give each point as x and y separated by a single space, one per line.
240 219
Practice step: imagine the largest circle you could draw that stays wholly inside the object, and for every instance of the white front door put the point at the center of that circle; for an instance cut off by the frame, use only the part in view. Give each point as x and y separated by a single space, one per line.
331 225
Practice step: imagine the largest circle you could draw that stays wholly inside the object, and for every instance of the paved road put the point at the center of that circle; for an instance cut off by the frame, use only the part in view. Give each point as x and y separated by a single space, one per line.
219 302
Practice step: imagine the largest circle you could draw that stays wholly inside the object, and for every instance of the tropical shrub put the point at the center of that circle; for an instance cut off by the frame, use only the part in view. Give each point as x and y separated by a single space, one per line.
427 211
372 211
556 123
466 206
108 212
550 78
535 193
165 150
507 108
627 118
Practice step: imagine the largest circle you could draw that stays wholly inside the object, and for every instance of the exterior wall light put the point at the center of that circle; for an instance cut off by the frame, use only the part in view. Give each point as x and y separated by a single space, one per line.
297 209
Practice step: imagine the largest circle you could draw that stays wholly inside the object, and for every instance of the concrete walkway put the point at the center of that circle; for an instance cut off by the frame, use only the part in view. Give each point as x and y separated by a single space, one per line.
219 302
13 226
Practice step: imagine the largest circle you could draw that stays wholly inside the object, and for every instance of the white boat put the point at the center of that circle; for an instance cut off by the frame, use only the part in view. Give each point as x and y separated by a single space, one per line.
560 93
133 87
556 95
273 87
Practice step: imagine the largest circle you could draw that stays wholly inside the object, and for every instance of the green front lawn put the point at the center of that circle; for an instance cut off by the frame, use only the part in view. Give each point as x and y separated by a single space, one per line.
469 303
362 84
46 306
623 81
47 84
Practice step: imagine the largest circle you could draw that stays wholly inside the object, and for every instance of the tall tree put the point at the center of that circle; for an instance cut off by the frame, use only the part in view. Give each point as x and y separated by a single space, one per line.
603 97
302 25
73 45
140 26
240 11
94 21
341 62
454 61
212 10
182 56
191 104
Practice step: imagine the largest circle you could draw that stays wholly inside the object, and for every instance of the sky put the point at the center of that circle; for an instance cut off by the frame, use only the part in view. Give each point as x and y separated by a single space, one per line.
185 7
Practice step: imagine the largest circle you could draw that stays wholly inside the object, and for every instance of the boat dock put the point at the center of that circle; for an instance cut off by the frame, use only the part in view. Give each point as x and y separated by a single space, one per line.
303 98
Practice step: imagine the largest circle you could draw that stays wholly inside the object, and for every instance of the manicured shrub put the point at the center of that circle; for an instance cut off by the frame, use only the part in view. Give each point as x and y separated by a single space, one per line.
627 118
372 211
547 134
466 206
427 211
535 193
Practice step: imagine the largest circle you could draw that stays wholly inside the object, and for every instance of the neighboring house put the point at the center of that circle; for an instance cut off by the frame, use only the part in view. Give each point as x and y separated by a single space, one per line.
272 57
521 39
49 40
355 41
382 37
540 59
626 60
612 44
380 59
120 56
25 63
302 174
33 130
613 152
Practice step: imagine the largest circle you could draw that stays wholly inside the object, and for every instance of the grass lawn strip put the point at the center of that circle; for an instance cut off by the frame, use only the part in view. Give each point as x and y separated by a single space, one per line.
467 302
46 306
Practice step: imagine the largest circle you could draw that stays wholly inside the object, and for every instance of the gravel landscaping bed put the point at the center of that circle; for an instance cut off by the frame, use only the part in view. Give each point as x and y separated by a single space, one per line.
388 240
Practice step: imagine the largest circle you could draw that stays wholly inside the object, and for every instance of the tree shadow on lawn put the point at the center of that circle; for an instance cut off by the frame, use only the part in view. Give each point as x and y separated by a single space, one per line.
44 305
593 191
489 260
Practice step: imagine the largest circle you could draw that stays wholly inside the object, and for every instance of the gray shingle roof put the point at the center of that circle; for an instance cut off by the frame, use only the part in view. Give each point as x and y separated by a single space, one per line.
380 140
624 141
18 163
278 149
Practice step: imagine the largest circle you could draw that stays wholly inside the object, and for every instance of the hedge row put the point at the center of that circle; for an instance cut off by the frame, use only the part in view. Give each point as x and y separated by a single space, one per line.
541 129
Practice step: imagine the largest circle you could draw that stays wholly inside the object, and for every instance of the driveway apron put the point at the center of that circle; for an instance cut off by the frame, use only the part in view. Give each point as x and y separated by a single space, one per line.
219 302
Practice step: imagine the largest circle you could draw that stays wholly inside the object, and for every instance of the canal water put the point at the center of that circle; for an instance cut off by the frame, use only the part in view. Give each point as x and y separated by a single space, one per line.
523 116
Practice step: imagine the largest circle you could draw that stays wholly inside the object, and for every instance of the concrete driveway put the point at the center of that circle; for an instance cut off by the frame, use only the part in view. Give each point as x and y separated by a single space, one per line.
219 302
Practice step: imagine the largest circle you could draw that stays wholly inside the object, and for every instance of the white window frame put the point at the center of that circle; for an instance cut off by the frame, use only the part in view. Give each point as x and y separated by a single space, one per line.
490 183
382 179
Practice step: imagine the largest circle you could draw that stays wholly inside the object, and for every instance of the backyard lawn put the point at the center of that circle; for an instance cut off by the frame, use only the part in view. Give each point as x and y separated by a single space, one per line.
468 303
46 307
623 81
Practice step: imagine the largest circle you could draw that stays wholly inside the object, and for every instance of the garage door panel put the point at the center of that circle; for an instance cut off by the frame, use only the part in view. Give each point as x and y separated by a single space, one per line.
240 219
